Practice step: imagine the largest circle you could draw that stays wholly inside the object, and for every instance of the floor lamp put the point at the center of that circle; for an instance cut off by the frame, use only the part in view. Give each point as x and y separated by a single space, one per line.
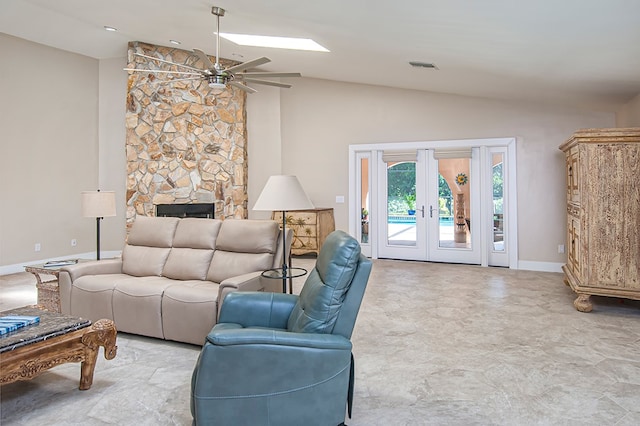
283 193
98 204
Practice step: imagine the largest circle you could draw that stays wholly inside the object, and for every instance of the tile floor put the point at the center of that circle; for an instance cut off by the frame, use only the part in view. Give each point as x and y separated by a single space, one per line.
435 344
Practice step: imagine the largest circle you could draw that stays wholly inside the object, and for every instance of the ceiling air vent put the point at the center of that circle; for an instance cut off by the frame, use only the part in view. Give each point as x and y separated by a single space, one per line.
419 64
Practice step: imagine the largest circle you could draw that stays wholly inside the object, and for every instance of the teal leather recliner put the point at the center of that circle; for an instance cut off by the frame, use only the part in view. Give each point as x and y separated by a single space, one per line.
282 359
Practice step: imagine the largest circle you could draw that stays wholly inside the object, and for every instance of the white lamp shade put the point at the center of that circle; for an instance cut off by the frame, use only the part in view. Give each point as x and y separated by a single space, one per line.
283 193
98 203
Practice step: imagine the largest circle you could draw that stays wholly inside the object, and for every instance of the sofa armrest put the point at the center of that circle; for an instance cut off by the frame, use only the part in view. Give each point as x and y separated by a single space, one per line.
257 309
95 267
68 274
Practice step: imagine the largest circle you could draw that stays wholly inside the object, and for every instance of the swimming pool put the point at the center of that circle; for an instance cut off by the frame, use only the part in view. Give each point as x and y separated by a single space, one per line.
410 220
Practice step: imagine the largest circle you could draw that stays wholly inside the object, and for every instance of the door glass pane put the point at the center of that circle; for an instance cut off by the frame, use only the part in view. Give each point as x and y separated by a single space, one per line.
498 201
401 203
454 209
445 211
364 200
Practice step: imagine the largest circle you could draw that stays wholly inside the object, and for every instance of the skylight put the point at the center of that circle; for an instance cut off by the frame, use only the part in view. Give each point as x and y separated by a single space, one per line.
276 42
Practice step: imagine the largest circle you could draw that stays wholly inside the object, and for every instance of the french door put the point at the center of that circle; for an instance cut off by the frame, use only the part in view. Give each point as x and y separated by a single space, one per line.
439 190
442 203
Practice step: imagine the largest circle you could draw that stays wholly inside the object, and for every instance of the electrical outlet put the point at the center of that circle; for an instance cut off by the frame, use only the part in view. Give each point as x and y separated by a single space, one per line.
560 248
74 242
339 199
37 247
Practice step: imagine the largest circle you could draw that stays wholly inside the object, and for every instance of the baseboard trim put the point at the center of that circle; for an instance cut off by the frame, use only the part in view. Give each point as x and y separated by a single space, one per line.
530 265
19 267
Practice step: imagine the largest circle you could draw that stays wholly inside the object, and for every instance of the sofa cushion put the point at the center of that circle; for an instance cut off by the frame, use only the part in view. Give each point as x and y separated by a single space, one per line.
324 290
187 264
193 245
226 264
243 246
141 261
189 311
148 245
248 236
153 231
137 305
197 233
91 296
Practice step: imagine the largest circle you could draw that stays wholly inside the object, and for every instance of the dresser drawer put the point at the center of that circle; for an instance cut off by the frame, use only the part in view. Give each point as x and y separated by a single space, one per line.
310 228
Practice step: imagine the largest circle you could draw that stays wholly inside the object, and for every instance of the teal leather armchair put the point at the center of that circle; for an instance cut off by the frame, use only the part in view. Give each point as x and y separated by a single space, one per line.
281 359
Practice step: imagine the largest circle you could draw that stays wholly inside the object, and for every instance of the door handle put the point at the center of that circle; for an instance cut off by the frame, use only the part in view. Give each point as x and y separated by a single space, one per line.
431 209
422 210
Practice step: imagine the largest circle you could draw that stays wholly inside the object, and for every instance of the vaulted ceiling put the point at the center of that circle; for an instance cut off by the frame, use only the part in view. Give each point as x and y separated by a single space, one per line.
573 52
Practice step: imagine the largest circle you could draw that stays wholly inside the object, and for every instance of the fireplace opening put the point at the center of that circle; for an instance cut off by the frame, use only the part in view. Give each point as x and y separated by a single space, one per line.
202 210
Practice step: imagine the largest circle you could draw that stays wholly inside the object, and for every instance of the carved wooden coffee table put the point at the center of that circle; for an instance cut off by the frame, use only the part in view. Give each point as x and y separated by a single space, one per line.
56 340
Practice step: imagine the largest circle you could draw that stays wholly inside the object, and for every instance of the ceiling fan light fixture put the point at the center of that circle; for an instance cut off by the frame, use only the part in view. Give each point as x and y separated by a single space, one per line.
218 82
214 74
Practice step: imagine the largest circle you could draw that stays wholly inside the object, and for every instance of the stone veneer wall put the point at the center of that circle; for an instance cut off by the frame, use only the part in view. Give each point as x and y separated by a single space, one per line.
186 143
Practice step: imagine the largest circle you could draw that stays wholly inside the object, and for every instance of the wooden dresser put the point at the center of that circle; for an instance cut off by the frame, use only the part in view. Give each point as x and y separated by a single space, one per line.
310 228
603 214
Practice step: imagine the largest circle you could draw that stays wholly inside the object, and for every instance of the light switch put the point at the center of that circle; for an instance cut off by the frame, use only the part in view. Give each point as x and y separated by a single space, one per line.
339 199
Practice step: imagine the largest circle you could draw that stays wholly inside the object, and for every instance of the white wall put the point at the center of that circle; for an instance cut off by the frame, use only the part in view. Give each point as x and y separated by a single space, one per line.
264 143
56 125
49 150
112 167
629 115
321 118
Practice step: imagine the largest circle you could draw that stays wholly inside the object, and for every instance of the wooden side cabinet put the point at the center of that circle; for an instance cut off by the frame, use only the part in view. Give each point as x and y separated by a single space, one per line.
603 214
310 228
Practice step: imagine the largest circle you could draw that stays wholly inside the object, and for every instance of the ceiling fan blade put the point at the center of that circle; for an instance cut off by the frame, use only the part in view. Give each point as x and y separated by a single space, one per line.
242 87
175 81
169 62
268 74
266 82
164 72
250 64
203 56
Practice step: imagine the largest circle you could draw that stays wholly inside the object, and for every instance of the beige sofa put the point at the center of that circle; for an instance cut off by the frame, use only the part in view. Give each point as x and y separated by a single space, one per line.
173 275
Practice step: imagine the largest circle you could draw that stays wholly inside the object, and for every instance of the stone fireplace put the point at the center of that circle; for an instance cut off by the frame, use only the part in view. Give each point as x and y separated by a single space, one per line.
185 143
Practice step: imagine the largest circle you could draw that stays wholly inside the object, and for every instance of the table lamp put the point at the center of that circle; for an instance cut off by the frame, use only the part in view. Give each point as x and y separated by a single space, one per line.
98 204
283 193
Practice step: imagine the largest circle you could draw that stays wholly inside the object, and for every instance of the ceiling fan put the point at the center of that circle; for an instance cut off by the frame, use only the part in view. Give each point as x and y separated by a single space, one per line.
215 74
